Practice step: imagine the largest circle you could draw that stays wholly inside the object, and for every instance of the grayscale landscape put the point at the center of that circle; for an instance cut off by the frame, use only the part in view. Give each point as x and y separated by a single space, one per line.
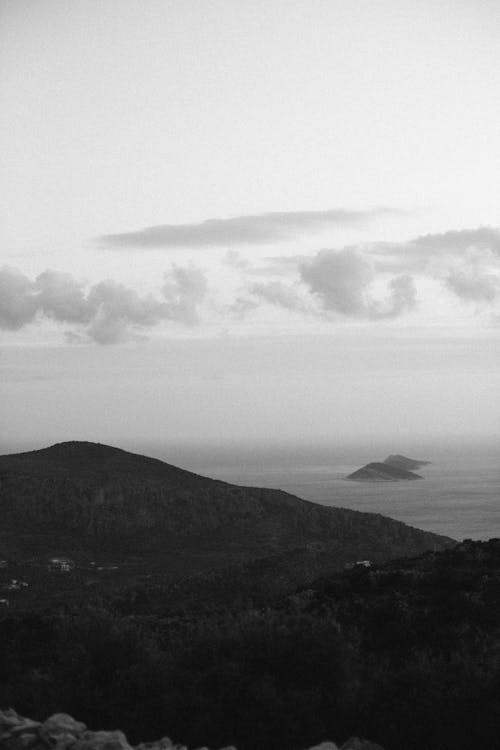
249 375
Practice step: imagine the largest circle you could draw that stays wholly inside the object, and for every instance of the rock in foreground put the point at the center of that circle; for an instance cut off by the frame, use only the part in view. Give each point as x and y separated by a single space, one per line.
62 732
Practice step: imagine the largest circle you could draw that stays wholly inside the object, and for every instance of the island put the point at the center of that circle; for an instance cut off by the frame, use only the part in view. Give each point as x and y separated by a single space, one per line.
382 472
403 462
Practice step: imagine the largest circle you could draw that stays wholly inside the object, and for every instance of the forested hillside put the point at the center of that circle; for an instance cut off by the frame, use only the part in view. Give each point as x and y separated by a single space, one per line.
407 653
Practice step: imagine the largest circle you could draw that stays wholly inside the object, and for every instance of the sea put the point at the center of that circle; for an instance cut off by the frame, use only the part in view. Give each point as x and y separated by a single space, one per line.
458 496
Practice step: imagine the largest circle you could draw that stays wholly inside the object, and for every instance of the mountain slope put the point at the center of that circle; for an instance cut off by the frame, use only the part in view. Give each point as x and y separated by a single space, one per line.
86 496
405 653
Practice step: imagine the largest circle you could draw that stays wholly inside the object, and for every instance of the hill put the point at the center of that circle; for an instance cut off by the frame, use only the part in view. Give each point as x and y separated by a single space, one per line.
403 462
405 653
122 516
382 472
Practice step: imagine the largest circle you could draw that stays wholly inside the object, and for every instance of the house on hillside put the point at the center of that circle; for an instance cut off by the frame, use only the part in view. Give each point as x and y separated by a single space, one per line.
16 585
61 565
358 564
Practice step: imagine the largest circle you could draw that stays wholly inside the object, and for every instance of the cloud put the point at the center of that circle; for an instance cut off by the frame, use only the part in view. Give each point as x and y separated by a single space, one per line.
242 306
277 293
18 304
402 297
365 282
234 259
474 286
466 261
61 297
273 293
184 289
270 266
108 313
431 254
432 250
342 279
242 230
333 281
456 240
116 309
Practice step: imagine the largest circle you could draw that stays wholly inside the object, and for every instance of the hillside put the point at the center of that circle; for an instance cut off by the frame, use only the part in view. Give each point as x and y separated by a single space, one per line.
85 497
403 462
405 653
382 472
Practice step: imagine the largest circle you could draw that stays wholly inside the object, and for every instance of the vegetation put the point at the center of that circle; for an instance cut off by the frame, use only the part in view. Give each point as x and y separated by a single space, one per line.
83 497
407 654
122 518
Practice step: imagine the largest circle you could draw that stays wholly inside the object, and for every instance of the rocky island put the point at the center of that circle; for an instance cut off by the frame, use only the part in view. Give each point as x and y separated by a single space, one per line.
382 472
403 462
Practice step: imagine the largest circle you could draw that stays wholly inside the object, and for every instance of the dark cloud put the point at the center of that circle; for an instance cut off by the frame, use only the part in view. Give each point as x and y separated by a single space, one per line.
341 280
242 230
108 313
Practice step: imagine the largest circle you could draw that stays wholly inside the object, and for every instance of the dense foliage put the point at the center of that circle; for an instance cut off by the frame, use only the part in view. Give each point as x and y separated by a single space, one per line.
407 654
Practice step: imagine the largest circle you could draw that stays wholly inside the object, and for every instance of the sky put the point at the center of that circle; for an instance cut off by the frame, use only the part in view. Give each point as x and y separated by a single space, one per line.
272 220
